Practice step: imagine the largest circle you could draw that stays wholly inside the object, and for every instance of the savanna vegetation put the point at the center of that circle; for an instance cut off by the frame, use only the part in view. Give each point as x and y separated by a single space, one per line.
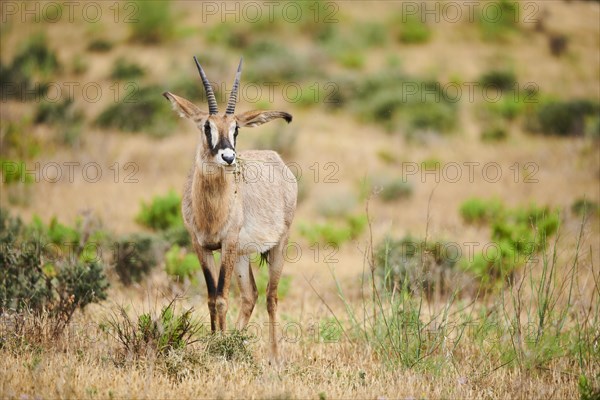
446 238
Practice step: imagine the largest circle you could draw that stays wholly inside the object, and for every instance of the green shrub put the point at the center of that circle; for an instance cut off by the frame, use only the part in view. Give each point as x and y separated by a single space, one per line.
155 22
141 109
125 70
35 56
476 210
334 233
501 21
15 172
135 256
14 143
397 101
350 58
517 235
159 334
56 232
162 213
178 235
583 206
415 265
100 45
413 31
510 106
395 189
270 61
26 77
181 265
57 283
501 79
563 118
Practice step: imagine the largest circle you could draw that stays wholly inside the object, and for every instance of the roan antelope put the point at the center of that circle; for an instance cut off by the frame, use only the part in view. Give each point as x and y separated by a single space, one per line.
224 210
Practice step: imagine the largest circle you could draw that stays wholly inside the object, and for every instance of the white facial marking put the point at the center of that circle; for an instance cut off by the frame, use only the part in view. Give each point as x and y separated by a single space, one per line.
214 133
232 133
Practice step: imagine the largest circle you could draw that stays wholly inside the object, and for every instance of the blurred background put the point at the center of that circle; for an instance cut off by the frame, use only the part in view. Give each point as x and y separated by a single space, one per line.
443 116
448 161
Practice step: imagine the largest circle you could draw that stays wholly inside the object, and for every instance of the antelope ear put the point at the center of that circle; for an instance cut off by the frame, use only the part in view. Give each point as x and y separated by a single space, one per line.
183 107
256 118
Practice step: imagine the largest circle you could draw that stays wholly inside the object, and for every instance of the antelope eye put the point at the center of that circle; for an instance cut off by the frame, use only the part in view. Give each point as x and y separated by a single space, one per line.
207 128
236 131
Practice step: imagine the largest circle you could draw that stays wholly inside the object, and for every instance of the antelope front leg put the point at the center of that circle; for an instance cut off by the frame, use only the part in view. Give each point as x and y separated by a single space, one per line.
207 262
228 260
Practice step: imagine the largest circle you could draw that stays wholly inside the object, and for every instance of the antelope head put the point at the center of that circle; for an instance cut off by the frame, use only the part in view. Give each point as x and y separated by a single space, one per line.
217 143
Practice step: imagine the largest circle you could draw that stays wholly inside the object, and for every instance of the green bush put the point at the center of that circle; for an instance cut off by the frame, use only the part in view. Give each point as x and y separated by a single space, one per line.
135 256
162 213
100 45
178 235
413 31
415 265
155 22
141 109
270 61
334 233
583 206
397 101
35 56
563 118
159 334
26 78
14 143
181 265
15 172
476 210
42 280
395 189
501 79
501 21
517 234
126 70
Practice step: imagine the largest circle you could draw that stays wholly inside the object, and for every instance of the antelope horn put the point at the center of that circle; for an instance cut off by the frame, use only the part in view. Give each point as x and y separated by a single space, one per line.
234 91
210 95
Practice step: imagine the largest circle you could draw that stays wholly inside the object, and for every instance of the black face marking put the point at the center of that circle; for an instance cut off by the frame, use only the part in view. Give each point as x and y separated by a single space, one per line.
207 132
235 134
223 144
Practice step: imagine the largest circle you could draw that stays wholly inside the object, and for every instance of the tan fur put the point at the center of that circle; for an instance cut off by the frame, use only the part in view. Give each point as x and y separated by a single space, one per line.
242 209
